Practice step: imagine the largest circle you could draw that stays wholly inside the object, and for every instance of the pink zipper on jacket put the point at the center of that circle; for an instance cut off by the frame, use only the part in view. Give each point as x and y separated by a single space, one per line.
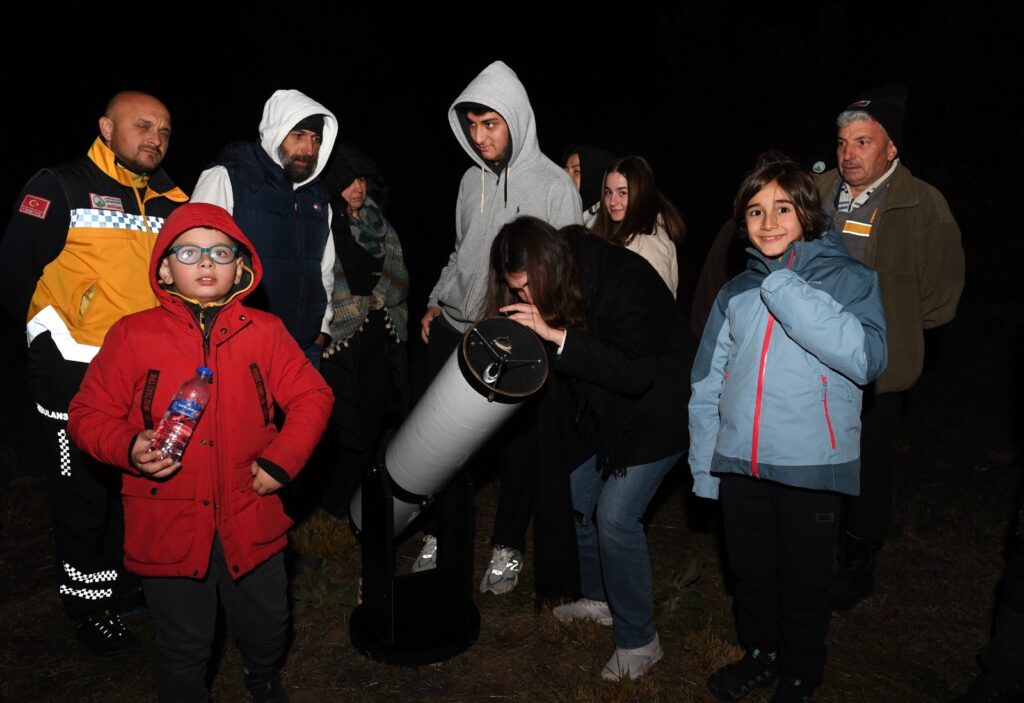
828 420
756 432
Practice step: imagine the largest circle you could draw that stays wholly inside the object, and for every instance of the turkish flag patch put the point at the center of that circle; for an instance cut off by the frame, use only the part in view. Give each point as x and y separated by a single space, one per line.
35 206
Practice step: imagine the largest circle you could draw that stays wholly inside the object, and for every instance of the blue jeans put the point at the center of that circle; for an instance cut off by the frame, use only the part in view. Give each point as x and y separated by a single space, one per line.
614 563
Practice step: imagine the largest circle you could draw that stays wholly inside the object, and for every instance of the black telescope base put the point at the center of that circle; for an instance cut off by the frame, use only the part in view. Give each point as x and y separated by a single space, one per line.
416 618
435 647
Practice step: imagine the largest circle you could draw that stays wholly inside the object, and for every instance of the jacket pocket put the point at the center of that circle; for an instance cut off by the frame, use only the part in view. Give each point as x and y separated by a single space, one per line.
159 519
261 391
262 519
82 298
828 418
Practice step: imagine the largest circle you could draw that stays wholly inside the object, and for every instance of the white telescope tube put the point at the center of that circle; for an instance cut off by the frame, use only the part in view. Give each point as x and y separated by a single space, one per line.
498 365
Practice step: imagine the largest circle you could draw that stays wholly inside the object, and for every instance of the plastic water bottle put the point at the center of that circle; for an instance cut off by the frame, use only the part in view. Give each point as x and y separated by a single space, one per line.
175 429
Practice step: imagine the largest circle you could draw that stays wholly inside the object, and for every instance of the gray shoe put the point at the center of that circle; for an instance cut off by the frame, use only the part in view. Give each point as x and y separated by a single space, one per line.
427 558
584 609
632 663
502 573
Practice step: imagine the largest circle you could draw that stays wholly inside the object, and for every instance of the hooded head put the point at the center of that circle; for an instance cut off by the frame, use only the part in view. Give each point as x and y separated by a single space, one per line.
288 110
497 88
205 282
349 162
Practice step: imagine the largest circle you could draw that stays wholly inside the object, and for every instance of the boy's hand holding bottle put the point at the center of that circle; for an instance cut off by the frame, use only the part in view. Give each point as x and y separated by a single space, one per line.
149 462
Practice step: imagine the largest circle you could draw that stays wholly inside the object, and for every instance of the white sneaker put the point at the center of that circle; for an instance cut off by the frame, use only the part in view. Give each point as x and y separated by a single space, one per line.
584 609
633 663
502 573
427 558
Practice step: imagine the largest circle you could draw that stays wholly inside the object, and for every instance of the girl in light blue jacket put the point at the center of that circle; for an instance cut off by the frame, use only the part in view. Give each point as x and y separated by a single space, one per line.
775 423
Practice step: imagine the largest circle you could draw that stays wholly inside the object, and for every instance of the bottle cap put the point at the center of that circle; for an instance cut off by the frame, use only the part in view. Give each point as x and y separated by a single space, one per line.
203 371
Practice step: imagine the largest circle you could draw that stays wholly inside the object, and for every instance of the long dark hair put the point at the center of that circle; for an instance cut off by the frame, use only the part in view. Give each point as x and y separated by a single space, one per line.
646 203
527 244
796 182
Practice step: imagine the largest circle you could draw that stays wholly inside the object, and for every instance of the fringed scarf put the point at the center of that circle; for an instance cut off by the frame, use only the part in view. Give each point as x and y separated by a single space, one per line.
376 235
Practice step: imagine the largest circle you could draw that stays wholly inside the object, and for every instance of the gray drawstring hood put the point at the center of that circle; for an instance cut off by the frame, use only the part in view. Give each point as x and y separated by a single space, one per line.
524 182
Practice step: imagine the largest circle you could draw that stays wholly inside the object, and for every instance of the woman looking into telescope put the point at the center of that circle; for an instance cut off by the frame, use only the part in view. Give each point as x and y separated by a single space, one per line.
618 350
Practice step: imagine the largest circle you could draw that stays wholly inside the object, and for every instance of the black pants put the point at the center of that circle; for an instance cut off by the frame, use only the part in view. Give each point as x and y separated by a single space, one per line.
1005 652
85 495
868 515
360 376
185 611
780 541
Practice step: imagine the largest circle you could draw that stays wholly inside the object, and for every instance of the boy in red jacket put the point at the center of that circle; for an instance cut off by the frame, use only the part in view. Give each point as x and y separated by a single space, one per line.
209 524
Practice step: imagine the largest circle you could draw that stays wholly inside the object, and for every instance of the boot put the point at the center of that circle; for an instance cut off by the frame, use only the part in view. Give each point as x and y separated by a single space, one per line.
266 687
855 576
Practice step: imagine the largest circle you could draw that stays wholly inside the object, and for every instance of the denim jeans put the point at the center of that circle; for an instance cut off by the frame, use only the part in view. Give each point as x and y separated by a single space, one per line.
614 563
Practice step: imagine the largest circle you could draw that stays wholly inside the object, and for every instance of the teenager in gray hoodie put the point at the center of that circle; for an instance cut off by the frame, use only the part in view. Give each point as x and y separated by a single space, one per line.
510 177
493 121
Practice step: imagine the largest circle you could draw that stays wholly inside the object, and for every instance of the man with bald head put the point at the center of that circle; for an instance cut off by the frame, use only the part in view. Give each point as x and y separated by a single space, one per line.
75 259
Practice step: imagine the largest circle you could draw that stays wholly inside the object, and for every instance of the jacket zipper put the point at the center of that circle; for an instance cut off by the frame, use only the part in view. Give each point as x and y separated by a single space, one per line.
756 431
206 336
142 210
301 261
828 421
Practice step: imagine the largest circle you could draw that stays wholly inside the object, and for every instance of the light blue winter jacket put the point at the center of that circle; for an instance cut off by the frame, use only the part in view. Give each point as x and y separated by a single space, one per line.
776 382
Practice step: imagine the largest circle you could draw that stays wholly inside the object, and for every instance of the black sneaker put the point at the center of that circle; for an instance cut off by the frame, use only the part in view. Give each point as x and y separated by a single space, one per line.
734 681
994 687
266 688
106 635
793 690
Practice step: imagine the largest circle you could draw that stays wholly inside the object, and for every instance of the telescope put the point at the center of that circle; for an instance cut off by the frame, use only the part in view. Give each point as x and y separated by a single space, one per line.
429 616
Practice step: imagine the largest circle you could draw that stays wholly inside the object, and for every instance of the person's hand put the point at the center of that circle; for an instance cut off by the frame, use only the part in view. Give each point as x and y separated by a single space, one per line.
321 339
527 315
149 462
262 482
425 323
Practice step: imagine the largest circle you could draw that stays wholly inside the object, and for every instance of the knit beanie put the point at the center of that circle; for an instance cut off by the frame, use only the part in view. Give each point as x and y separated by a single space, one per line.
888 106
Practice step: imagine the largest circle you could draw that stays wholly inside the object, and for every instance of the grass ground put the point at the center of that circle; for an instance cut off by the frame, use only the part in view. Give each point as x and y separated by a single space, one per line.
958 485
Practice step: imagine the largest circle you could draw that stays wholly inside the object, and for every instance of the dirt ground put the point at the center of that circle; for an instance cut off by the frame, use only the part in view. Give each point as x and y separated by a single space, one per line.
957 488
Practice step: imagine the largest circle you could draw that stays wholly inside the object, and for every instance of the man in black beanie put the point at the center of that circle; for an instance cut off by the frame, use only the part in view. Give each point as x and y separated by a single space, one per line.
901 227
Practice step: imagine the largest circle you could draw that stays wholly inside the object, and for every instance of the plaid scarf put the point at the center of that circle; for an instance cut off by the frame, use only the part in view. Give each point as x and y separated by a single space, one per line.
389 294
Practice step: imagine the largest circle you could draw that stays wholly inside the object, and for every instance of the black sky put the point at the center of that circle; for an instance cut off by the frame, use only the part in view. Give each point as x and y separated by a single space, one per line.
699 90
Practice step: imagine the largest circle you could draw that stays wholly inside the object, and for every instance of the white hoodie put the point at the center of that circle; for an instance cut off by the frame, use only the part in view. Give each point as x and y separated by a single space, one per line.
284 110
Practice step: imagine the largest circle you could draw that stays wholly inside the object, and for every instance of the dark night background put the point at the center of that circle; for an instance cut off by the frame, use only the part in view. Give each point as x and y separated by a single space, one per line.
699 90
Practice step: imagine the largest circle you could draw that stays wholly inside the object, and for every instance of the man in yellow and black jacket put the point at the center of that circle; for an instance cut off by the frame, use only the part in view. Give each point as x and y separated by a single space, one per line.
74 259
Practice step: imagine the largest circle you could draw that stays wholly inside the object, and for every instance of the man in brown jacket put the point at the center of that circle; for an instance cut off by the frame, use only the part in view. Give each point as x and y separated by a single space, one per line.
902 228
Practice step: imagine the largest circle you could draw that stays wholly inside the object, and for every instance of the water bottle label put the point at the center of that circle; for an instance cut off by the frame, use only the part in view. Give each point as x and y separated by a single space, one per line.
188 408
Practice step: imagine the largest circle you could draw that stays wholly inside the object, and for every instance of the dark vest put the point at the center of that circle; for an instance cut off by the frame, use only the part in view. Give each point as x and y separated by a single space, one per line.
289 229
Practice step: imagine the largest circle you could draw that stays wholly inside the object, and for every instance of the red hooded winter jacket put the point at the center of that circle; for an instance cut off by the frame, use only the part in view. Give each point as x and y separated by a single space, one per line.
170 524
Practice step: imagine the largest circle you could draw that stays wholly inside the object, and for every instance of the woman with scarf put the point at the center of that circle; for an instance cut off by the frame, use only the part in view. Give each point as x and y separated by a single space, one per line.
365 363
